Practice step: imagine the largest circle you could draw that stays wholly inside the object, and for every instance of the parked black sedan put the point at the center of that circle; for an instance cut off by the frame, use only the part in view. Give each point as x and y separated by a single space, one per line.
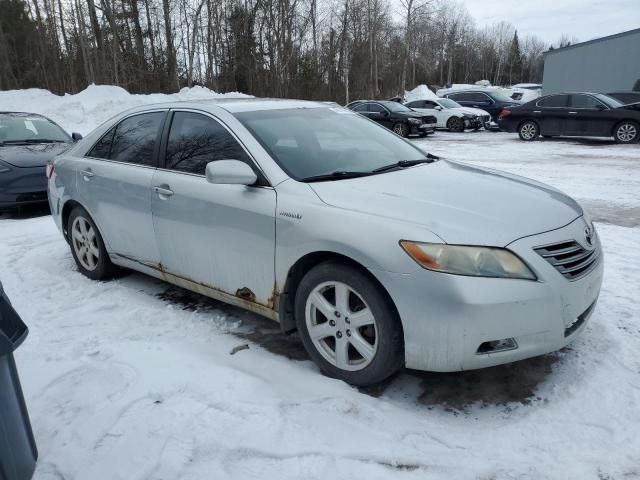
27 143
491 101
395 116
573 115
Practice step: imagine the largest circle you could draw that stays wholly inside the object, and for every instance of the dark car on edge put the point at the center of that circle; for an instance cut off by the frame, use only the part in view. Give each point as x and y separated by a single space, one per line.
573 115
27 143
491 101
626 97
395 116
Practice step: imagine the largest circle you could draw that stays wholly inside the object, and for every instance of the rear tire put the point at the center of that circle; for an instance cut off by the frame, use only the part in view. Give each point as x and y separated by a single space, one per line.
626 132
529 131
455 124
401 129
360 339
87 246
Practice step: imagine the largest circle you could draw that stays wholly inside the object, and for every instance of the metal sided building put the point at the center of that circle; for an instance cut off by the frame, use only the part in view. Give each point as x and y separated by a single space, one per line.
606 64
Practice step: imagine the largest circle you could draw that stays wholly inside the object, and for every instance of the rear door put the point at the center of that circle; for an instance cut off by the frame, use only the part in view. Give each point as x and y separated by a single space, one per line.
552 113
219 236
114 185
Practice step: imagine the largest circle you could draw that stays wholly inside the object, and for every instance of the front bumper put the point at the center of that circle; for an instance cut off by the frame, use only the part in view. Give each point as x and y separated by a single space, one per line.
473 122
23 186
423 129
447 318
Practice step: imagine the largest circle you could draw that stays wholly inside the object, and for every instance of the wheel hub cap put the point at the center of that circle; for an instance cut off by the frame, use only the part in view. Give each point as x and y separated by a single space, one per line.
627 132
341 326
85 243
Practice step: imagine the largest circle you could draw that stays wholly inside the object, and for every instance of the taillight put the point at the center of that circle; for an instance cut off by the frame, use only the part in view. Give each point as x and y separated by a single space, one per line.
50 168
505 113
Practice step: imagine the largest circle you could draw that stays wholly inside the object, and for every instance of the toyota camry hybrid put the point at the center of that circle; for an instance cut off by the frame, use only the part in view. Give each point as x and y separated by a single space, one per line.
379 255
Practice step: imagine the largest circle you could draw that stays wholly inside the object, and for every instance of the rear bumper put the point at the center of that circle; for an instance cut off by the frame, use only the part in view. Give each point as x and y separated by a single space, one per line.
507 125
23 186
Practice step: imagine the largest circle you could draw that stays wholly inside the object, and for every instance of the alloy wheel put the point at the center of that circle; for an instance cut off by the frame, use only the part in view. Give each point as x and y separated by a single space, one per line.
400 129
85 243
528 131
341 326
626 132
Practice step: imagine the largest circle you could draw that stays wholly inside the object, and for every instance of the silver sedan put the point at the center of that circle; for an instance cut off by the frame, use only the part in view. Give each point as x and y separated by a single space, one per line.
379 255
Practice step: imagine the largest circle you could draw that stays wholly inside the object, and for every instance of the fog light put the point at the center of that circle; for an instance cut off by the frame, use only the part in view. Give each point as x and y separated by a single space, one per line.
497 346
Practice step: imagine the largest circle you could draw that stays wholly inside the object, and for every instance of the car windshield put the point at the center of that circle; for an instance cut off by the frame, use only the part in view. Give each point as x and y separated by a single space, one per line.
448 103
396 107
29 129
501 97
608 101
308 142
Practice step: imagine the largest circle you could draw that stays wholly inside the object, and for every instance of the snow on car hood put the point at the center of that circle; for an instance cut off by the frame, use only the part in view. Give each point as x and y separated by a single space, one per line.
35 155
459 203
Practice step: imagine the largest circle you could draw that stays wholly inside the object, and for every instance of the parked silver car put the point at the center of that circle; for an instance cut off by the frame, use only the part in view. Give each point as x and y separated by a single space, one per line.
309 214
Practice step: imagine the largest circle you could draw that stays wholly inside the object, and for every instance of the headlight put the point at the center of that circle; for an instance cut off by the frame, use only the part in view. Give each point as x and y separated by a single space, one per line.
463 260
4 167
415 121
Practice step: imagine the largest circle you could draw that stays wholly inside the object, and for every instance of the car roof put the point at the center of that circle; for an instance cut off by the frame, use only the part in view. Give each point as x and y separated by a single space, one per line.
236 105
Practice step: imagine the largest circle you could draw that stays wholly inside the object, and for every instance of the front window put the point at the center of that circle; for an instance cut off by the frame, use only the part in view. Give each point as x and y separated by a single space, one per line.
307 142
501 97
448 103
30 129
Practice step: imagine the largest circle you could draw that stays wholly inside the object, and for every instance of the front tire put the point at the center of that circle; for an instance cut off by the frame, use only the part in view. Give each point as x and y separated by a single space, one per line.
401 129
529 131
626 132
87 246
347 325
455 124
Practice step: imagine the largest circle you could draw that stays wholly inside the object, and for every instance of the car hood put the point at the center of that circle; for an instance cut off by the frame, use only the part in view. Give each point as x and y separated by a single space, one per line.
460 204
33 155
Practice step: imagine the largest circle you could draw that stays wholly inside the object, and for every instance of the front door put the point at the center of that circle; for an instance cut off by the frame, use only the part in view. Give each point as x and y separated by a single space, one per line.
587 116
218 236
114 185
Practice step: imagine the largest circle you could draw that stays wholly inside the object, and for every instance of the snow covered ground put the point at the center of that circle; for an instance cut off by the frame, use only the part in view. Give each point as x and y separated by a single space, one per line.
133 378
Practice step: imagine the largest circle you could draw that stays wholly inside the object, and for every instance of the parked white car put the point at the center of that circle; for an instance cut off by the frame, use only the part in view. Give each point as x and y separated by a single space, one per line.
450 114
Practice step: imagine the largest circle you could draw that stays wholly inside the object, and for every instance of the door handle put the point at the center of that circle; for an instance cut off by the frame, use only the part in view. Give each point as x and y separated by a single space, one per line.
87 174
163 191
573 113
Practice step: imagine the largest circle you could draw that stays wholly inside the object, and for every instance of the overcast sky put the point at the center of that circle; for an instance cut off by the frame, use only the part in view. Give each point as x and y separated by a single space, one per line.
549 19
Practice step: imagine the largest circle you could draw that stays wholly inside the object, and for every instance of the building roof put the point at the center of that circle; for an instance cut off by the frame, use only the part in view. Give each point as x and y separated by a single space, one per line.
595 40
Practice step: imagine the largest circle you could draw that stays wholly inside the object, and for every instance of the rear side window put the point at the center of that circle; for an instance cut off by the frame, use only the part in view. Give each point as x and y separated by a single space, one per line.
554 101
374 107
195 140
132 141
584 101
463 97
363 107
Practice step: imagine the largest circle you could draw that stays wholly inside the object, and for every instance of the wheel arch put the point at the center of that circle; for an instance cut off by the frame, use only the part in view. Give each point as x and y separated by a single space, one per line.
67 208
528 119
298 271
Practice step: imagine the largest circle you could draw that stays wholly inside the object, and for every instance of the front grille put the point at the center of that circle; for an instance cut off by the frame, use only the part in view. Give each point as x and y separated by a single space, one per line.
32 197
570 258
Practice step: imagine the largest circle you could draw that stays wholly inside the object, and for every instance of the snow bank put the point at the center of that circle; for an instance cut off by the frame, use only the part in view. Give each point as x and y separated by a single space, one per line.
421 92
84 111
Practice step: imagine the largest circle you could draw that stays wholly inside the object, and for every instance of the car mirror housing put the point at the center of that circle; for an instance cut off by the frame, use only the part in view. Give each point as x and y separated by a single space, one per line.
438 107
76 136
230 172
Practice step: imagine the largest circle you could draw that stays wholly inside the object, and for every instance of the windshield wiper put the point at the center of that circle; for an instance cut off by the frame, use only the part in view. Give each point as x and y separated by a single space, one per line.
407 163
337 175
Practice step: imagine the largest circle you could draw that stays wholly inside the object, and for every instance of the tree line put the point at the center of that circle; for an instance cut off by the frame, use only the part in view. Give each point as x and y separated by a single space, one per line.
314 49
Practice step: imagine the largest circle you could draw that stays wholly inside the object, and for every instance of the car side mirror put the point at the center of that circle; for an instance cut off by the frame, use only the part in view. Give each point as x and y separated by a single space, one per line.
600 107
76 136
438 107
230 172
